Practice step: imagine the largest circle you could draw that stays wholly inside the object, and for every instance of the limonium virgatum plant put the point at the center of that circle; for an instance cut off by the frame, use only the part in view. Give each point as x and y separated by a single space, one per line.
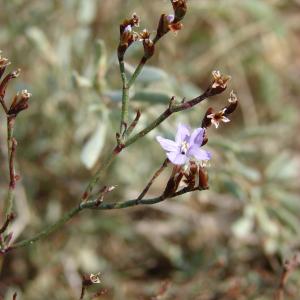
185 154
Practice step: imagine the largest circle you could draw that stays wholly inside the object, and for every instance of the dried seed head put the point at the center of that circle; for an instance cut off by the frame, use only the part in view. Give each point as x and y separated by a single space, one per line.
219 80
219 83
4 62
19 103
232 97
6 80
218 117
233 103
148 44
95 278
144 35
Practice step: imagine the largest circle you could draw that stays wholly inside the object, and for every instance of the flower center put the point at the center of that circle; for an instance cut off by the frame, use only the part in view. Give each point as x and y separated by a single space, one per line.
184 147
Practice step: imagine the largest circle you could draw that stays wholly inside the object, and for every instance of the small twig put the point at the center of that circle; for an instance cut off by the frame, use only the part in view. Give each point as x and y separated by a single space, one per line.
171 102
156 174
83 288
9 219
137 71
3 105
125 95
103 192
289 267
92 204
133 123
12 173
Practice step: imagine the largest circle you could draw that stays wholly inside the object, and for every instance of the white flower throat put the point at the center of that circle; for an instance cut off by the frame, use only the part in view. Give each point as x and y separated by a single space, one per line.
184 147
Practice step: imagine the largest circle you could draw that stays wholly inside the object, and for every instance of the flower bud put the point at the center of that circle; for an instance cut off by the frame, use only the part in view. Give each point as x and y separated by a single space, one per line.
167 23
190 176
148 44
233 103
6 80
203 178
206 122
163 25
180 9
174 181
4 62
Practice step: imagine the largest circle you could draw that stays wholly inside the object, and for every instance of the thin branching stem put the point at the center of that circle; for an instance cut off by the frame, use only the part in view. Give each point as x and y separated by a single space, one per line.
137 71
156 174
11 150
94 204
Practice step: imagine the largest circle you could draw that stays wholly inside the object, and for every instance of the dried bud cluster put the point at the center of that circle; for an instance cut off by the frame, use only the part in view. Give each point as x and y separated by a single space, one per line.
219 82
195 176
174 181
166 23
127 35
91 279
6 80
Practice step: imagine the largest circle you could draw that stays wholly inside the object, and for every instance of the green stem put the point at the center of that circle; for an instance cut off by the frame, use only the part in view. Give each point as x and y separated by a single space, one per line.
10 153
137 71
167 113
103 206
125 95
96 178
69 215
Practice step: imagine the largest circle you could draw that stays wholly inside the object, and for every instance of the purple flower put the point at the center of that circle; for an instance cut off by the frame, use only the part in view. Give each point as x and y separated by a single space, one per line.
185 146
170 18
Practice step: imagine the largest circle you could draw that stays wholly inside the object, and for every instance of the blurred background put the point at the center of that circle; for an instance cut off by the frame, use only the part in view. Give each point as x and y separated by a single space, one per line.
225 243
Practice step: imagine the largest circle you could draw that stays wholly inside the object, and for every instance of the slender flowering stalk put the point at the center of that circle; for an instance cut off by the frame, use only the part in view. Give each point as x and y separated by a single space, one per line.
185 152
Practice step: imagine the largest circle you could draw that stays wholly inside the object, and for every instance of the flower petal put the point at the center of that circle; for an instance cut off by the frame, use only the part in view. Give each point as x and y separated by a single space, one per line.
197 137
183 132
177 158
198 153
225 119
168 145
